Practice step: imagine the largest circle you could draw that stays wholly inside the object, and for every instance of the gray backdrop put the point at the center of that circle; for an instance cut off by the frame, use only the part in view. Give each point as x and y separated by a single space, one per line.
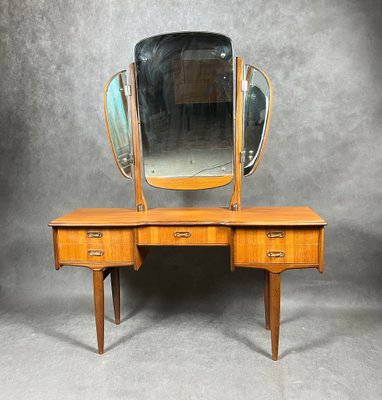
324 151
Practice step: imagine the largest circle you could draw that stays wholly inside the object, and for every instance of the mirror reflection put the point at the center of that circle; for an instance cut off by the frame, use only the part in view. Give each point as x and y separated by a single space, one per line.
256 112
185 97
118 123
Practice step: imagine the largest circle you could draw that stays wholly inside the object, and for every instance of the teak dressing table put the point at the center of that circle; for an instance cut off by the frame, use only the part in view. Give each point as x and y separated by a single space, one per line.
191 117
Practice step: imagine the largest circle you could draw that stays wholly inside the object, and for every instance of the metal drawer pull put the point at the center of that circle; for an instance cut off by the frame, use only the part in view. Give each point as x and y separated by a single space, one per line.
94 234
273 235
182 234
95 252
275 254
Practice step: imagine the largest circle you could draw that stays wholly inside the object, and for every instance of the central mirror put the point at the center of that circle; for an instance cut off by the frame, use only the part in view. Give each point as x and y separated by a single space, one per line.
185 92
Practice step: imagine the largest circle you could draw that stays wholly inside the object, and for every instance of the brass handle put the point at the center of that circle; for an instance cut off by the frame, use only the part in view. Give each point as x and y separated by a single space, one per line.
94 234
182 234
95 252
275 254
273 235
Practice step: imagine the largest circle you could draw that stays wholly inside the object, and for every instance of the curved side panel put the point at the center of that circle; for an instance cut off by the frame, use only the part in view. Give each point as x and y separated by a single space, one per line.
117 122
257 116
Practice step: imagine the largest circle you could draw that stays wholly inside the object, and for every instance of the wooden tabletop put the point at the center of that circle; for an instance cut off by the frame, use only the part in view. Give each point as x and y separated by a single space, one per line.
261 216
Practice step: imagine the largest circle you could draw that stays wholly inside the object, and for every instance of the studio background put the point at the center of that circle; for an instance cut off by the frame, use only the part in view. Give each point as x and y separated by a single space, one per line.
187 322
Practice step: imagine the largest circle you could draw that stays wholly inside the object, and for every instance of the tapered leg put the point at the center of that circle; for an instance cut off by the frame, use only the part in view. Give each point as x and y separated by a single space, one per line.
266 298
116 295
99 307
274 291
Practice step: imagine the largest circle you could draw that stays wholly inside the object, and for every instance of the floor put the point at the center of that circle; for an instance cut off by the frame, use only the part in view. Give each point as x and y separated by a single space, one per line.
187 337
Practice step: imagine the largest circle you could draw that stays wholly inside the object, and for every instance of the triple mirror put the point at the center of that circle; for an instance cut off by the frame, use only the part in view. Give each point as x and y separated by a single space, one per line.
186 103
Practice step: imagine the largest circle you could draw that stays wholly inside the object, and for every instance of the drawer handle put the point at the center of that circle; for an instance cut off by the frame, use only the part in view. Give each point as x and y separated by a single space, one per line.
275 254
274 235
182 234
94 234
95 253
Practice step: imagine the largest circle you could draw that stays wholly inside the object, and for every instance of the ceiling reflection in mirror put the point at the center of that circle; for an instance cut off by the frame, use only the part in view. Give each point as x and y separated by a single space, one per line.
118 123
256 116
185 85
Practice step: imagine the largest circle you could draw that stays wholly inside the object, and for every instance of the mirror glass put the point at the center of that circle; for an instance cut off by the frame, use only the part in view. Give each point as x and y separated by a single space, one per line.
256 112
185 85
118 122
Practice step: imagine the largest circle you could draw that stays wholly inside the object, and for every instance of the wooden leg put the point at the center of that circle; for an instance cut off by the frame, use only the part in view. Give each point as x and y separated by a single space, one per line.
274 291
99 307
116 295
266 299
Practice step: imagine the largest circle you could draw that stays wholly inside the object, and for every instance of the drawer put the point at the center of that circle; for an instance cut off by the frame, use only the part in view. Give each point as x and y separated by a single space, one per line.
121 252
94 235
298 254
183 235
275 245
277 236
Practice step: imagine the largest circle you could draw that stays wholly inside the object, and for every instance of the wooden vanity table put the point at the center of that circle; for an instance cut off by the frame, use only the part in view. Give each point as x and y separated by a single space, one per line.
149 129
273 239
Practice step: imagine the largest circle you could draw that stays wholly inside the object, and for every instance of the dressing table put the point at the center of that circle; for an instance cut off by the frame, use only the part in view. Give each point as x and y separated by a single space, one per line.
188 115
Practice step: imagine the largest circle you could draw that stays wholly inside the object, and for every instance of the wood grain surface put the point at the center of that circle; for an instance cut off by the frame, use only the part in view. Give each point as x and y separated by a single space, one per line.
259 216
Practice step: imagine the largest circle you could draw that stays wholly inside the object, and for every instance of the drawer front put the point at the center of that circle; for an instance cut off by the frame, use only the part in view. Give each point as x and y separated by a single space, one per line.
276 245
277 236
118 252
299 254
183 235
95 235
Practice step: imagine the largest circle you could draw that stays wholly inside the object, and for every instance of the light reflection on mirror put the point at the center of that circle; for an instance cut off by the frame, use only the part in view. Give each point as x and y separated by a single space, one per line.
118 122
256 111
185 97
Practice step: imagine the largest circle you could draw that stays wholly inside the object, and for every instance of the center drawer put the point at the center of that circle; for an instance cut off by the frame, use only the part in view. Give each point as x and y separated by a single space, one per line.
183 235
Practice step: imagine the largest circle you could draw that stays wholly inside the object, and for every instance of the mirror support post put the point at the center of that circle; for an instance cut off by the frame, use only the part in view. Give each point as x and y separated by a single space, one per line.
235 203
140 201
